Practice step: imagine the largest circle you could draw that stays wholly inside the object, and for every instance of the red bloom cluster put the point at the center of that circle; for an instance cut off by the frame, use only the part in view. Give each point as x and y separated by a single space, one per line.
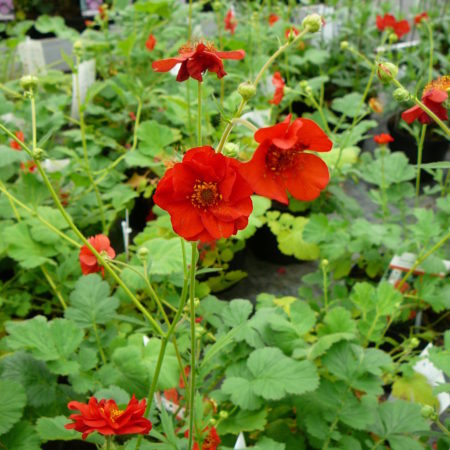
273 19
279 84
210 442
150 43
106 418
28 166
14 144
88 261
280 163
290 30
399 27
206 196
383 138
230 21
197 59
433 97
420 17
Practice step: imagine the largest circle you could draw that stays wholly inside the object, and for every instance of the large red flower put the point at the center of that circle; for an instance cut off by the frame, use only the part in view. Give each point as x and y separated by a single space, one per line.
279 84
88 260
230 21
280 163
205 195
14 144
210 442
150 43
195 60
399 27
106 418
433 97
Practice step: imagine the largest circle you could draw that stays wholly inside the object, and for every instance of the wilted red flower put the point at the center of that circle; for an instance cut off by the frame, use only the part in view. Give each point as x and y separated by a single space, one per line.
205 195
273 18
88 260
28 166
150 43
400 27
230 21
433 97
210 442
14 144
420 17
375 105
132 115
383 138
279 84
280 163
106 418
288 31
197 59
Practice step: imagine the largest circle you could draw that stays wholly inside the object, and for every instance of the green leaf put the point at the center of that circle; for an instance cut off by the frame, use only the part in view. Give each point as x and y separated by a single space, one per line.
266 443
243 421
47 24
12 401
166 256
349 104
338 320
120 396
404 443
90 302
317 229
21 437
415 388
9 156
155 137
120 195
241 392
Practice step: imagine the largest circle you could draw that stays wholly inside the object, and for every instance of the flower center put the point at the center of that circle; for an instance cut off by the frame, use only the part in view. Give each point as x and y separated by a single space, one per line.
442 84
278 160
115 414
205 194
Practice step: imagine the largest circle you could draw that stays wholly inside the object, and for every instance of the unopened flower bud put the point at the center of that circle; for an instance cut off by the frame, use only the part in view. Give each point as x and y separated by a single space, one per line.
393 38
28 82
414 342
401 95
38 154
387 72
223 414
78 47
142 253
325 263
196 302
313 22
216 5
212 421
247 90
428 412
199 331
344 45
231 150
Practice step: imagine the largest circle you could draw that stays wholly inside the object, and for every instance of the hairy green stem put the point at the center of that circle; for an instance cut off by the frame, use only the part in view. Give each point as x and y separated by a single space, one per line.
419 161
99 344
199 114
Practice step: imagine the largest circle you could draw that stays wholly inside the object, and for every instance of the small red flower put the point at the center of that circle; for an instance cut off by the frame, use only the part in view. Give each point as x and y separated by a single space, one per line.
102 10
89 23
383 138
150 43
28 166
88 260
273 18
288 31
230 21
14 144
281 164
420 17
210 442
205 195
433 97
400 27
279 84
132 115
106 418
196 59
281 270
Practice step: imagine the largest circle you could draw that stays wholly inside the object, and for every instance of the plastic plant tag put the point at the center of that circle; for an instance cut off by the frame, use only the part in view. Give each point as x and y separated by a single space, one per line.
240 442
31 56
86 78
89 8
126 231
434 376
6 10
55 165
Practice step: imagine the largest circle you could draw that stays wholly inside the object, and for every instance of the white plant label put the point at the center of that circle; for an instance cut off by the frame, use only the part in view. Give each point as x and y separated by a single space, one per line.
31 55
86 78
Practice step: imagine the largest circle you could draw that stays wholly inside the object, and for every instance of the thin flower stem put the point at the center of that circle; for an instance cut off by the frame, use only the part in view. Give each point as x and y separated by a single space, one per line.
193 342
322 115
384 206
108 442
199 114
84 145
33 120
425 109
54 287
11 201
442 427
422 259
325 285
430 61
246 124
419 161
99 344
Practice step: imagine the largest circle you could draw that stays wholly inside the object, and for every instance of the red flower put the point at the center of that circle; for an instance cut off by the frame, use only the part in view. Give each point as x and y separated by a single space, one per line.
280 163
195 60
230 21
400 27
14 144
106 418
420 17
383 138
132 115
210 442
273 18
28 166
278 82
288 31
433 97
88 261
102 10
150 43
205 195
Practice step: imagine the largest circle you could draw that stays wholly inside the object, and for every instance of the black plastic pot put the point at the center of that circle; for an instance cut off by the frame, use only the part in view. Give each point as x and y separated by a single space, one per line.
71 445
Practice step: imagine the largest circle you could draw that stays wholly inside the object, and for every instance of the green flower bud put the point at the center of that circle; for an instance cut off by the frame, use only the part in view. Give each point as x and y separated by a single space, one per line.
414 342
142 253
313 22
325 263
78 47
231 150
387 72
247 90
401 95
212 421
28 82
196 302
223 414
38 154
344 45
428 412
393 38
199 331
216 5
303 85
